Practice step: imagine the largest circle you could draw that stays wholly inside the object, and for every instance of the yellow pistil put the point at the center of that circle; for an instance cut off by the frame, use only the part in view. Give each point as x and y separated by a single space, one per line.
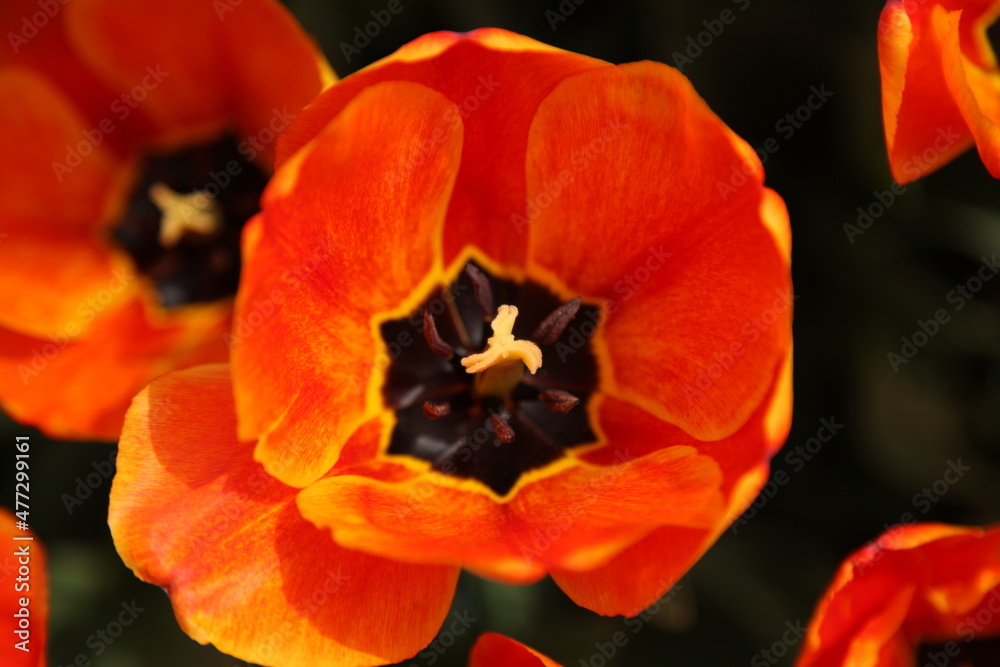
196 212
504 358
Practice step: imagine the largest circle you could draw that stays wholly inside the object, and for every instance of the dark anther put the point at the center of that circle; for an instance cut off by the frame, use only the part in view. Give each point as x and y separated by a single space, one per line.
484 293
420 381
552 326
437 410
503 430
438 346
558 400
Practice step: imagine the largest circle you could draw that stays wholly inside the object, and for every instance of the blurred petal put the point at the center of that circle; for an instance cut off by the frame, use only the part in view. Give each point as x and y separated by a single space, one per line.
914 584
28 649
250 64
493 650
53 178
120 353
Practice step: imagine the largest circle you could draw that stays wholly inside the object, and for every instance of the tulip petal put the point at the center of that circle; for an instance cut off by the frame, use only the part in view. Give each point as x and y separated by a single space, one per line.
350 229
186 92
573 516
11 595
493 650
923 125
657 561
136 341
695 282
73 279
38 129
191 512
974 85
914 584
483 74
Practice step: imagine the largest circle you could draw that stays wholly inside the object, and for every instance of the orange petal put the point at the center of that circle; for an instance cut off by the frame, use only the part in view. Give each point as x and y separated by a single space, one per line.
938 75
193 66
244 571
575 517
694 275
975 84
350 228
656 562
23 550
493 650
484 73
49 381
915 583
47 150
72 279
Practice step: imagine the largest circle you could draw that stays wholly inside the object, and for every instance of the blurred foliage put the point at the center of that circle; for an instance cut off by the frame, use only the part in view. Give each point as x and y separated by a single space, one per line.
856 299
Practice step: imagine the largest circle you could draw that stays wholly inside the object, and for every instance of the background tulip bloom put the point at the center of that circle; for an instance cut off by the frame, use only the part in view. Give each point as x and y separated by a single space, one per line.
24 576
939 84
127 126
482 203
919 594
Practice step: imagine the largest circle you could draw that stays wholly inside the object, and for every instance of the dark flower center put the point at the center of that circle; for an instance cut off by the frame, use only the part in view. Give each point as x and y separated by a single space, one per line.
960 653
183 220
494 425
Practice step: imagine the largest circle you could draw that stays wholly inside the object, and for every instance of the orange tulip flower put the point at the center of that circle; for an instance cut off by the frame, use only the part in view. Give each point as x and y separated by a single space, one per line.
497 313
137 138
939 84
922 594
493 650
24 596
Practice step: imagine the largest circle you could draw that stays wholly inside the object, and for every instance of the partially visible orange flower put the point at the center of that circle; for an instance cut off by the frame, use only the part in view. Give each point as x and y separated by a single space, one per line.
113 111
493 650
924 594
495 315
940 84
24 596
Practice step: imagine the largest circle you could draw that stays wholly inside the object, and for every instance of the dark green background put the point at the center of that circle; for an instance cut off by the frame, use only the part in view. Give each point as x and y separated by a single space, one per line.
855 301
